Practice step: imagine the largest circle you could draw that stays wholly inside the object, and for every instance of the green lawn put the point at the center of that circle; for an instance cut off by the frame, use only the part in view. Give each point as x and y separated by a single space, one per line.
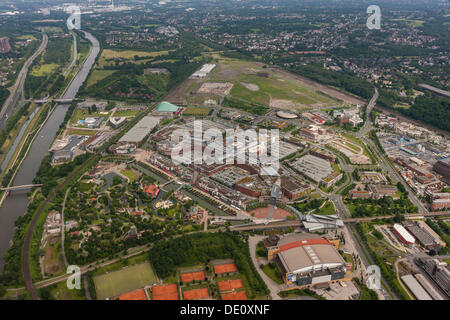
81 132
196 111
327 209
130 174
98 75
124 280
272 272
44 69
126 113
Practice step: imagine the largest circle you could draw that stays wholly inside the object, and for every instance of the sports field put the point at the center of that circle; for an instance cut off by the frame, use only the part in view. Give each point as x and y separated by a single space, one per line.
124 280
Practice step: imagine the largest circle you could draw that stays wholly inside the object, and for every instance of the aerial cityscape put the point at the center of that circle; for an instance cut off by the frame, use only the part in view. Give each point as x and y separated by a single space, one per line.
224 150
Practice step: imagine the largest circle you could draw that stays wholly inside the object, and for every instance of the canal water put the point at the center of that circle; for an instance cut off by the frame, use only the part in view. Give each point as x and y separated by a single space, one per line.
16 203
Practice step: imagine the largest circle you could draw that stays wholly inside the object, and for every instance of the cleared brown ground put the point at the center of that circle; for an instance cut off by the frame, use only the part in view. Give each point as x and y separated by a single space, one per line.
196 294
225 268
134 295
263 213
240 295
165 292
229 285
191 276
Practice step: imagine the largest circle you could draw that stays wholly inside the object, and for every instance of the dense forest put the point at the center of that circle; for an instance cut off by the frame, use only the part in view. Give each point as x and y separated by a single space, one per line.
4 93
431 109
344 79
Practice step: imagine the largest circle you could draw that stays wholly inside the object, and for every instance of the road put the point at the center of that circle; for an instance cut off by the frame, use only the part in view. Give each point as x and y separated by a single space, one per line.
272 285
63 229
368 125
18 88
400 280
381 158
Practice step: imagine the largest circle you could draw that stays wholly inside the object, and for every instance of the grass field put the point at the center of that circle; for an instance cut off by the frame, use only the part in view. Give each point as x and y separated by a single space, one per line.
51 29
272 272
124 280
81 132
44 69
98 75
196 111
108 55
254 84
130 174
126 113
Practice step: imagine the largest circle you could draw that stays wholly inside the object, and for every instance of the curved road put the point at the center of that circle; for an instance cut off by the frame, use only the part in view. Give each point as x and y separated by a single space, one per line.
17 90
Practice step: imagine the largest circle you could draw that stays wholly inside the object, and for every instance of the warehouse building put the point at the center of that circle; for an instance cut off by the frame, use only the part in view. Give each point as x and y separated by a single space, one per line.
313 167
141 129
415 288
428 286
422 235
203 72
438 271
443 168
306 260
403 234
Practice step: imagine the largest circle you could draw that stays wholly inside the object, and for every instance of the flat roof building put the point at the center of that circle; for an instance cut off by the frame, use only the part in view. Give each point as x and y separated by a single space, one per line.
403 234
415 287
167 107
313 167
306 259
141 129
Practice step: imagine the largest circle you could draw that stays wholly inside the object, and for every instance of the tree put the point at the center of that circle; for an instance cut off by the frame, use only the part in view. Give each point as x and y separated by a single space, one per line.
2 290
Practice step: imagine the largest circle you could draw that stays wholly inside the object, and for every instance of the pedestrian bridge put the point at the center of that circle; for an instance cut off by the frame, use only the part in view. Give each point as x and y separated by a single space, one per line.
25 186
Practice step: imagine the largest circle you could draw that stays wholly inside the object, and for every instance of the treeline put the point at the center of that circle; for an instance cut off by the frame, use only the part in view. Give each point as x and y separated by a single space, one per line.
48 175
429 108
4 93
444 236
12 122
344 79
382 206
12 270
199 248
246 106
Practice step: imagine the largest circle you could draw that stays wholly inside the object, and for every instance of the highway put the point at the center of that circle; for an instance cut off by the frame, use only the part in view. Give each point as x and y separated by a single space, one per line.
18 88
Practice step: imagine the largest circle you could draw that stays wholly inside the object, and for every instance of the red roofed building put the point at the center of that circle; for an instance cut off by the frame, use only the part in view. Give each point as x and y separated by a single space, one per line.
151 190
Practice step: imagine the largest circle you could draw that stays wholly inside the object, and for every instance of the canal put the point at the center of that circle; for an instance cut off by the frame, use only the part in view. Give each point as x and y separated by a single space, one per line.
16 203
